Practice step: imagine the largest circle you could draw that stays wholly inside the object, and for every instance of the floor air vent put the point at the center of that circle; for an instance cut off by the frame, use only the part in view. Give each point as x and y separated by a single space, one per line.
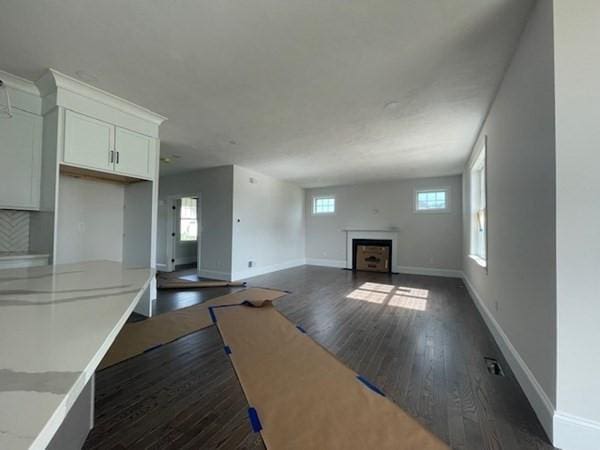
493 366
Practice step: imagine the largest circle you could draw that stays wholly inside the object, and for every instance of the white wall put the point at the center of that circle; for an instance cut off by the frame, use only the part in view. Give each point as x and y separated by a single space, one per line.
90 220
137 224
517 294
216 187
268 224
426 241
186 252
577 33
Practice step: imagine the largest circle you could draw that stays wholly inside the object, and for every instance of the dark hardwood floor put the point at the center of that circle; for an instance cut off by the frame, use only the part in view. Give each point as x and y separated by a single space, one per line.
424 348
171 299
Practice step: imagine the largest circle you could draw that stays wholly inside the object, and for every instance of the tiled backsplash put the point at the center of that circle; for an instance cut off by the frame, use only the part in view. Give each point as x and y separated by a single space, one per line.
14 231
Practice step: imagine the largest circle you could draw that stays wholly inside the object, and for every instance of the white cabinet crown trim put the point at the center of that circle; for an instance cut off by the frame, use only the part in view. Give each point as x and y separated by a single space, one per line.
19 83
53 81
24 94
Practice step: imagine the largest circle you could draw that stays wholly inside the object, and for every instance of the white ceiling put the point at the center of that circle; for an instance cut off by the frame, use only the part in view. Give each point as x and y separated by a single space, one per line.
293 89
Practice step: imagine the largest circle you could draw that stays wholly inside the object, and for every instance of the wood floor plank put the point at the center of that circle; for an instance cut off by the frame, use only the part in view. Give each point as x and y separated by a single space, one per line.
430 362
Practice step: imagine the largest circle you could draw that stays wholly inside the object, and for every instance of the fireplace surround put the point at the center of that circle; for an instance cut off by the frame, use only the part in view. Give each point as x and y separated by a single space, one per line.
389 234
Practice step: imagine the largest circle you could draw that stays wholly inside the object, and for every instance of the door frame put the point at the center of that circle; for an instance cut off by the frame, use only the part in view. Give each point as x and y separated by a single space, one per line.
171 229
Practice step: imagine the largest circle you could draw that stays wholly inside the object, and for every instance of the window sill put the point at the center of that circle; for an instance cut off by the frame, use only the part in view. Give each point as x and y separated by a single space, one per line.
479 260
433 211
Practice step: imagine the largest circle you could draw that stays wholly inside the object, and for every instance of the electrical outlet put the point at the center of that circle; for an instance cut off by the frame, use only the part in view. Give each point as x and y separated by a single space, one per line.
250 263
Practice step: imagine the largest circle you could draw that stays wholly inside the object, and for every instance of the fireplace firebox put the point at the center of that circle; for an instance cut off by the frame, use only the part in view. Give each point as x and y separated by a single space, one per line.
372 255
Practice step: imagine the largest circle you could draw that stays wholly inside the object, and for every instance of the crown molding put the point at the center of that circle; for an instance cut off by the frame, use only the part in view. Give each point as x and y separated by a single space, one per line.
53 81
19 83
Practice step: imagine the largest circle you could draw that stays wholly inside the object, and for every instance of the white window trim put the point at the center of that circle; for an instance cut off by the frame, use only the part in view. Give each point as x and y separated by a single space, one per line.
479 260
475 161
445 210
317 197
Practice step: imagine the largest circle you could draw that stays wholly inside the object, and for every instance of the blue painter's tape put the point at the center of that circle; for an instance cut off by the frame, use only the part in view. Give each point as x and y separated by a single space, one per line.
254 420
231 305
302 330
227 350
212 314
370 385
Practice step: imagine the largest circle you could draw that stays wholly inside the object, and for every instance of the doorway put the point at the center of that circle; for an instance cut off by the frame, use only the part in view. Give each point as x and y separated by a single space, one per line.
184 232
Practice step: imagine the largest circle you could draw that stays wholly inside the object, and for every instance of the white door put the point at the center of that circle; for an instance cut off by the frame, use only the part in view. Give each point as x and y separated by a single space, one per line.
172 227
134 153
88 142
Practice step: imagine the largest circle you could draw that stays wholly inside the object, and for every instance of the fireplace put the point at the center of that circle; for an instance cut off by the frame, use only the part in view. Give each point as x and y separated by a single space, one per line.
372 255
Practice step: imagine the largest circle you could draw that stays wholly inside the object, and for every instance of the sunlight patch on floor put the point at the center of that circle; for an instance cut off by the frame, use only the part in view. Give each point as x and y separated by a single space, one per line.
421 293
378 287
390 295
418 304
367 296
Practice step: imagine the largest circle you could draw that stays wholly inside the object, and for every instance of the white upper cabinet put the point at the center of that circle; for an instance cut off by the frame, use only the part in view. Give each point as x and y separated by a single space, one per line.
135 153
98 131
88 142
97 145
20 160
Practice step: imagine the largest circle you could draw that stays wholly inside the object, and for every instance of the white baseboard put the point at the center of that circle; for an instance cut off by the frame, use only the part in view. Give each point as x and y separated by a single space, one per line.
539 400
448 273
214 274
575 433
161 267
255 271
339 263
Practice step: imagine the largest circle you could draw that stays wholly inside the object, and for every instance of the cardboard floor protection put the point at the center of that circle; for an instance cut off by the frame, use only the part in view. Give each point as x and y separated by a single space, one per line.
179 283
302 397
137 337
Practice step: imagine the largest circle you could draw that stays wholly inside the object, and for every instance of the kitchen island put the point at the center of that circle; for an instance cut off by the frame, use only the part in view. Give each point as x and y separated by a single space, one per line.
56 324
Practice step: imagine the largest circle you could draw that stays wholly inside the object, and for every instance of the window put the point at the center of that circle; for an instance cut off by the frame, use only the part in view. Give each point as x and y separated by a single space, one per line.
478 213
432 200
323 205
188 220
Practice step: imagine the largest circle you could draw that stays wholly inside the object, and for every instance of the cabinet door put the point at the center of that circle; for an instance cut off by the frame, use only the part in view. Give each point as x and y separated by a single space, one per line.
88 142
135 154
20 160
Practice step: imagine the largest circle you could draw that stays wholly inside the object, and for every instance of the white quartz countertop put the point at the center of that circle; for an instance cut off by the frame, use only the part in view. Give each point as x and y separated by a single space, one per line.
56 324
21 255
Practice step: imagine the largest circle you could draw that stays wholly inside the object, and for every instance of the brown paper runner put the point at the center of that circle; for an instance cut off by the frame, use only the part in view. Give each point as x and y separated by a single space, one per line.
178 283
137 337
304 397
